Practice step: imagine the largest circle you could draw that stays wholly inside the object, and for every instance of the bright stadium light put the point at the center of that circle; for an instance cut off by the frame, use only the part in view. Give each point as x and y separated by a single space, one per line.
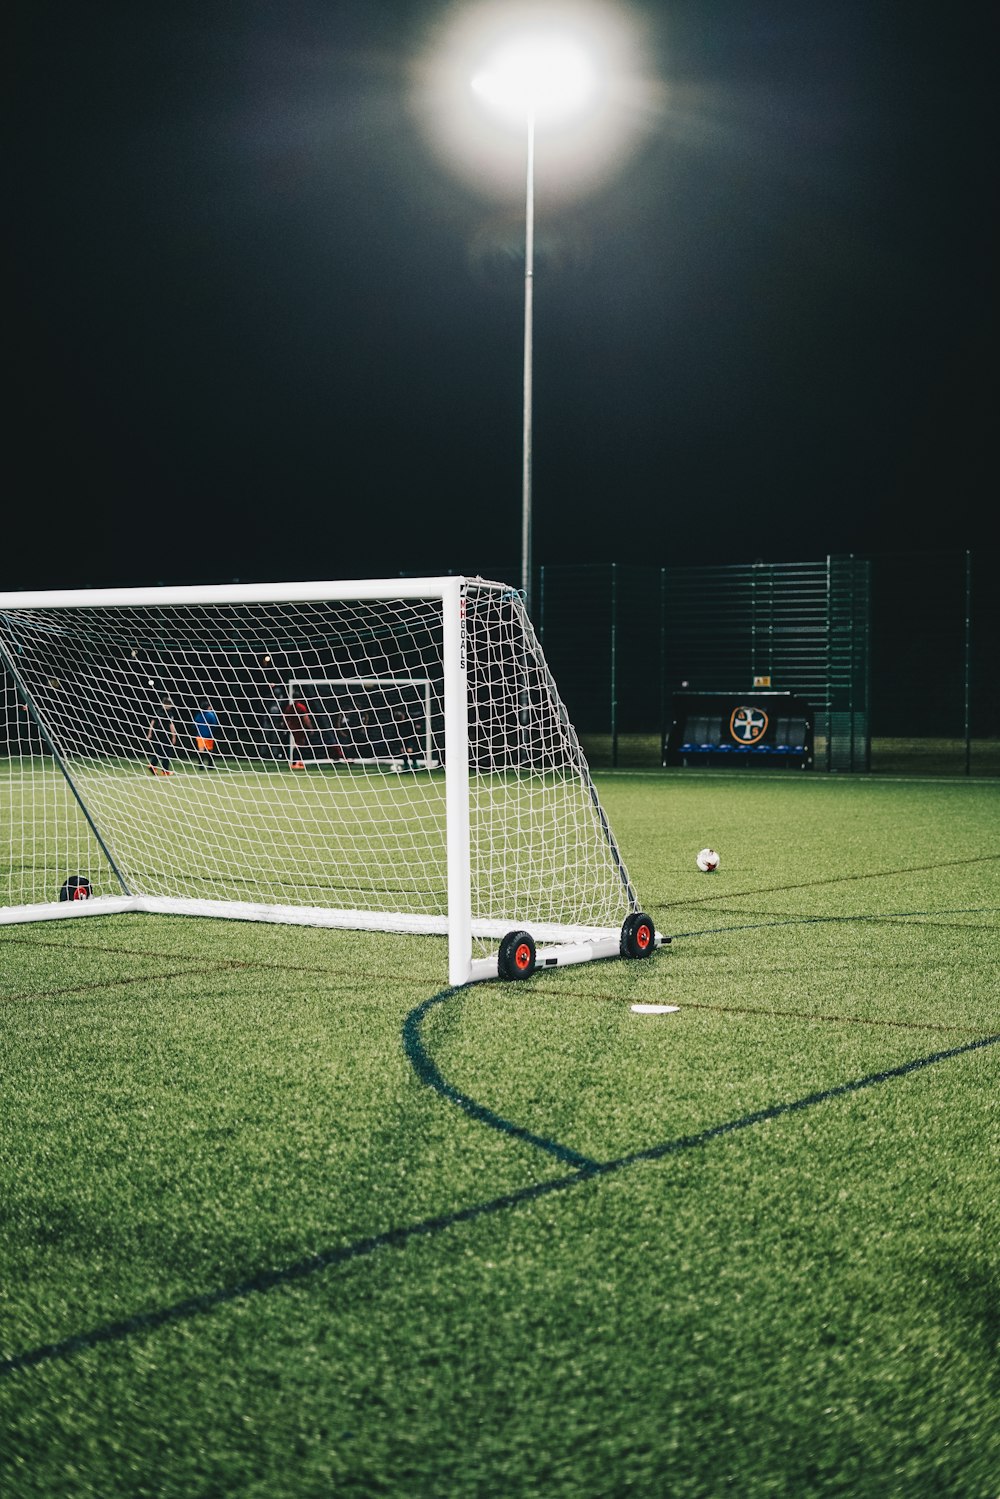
575 71
532 79
583 65
539 78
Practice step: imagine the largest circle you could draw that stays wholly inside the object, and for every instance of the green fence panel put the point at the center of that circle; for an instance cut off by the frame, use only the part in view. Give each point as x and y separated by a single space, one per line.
896 654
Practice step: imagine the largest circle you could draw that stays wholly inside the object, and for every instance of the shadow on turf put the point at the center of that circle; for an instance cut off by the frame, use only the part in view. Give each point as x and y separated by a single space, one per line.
586 1170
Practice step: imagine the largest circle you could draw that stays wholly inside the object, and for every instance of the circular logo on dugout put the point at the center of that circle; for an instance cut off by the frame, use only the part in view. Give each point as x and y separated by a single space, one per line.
748 725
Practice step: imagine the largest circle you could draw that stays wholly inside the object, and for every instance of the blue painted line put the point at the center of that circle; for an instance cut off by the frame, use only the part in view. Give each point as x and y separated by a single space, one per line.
760 1116
428 1074
267 1280
755 926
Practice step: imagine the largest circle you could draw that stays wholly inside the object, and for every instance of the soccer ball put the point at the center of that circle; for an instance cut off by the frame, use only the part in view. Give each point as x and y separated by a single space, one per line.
708 861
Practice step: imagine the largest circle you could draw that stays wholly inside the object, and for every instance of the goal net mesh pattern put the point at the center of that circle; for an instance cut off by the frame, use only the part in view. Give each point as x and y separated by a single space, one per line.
320 783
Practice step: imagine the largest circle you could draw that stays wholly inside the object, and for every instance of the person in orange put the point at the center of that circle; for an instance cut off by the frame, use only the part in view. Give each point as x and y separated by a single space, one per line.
206 721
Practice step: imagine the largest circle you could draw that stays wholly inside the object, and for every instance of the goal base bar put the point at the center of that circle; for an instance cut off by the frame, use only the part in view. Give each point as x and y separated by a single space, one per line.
281 915
574 944
560 957
101 905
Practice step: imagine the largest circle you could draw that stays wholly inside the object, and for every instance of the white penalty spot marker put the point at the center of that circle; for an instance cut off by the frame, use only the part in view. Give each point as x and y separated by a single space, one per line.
655 1009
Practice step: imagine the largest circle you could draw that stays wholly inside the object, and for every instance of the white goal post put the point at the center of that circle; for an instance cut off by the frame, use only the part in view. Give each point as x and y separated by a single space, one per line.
145 741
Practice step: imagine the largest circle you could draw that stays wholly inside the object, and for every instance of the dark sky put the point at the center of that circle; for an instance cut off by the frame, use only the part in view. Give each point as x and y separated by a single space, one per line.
259 329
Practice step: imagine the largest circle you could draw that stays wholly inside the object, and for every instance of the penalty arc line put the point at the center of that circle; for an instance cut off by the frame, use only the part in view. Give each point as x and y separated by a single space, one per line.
267 1280
428 1074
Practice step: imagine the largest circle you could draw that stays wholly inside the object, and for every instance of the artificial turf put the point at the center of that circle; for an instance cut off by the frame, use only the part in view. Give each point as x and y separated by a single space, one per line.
282 1215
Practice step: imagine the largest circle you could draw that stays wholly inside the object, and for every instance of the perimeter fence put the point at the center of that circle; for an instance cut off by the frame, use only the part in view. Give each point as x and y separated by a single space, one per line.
897 654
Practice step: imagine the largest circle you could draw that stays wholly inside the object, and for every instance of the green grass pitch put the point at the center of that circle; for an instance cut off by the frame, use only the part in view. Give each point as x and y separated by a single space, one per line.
282 1216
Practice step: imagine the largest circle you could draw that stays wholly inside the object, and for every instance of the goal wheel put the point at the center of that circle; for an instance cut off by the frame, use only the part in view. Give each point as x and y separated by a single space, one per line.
516 958
77 887
638 936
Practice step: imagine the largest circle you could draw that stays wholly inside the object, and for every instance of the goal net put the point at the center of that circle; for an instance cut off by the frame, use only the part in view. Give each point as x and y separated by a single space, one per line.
386 755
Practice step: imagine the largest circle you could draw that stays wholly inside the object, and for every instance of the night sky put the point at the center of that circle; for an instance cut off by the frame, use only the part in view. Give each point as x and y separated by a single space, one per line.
261 329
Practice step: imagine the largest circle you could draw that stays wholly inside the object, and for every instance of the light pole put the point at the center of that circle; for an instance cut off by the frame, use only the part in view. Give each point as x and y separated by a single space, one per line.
536 78
529 318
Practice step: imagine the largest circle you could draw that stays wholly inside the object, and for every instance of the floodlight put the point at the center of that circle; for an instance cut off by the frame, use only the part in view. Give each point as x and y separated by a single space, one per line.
572 70
546 78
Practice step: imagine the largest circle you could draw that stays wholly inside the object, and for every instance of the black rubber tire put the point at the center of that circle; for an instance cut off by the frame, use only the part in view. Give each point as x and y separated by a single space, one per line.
77 887
638 936
516 958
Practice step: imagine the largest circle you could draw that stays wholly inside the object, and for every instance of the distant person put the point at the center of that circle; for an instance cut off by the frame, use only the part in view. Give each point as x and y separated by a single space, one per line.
330 735
405 742
298 722
366 736
161 736
275 732
206 722
341 735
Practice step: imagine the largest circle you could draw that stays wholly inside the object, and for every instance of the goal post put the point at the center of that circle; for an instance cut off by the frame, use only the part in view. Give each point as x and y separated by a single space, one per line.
153 743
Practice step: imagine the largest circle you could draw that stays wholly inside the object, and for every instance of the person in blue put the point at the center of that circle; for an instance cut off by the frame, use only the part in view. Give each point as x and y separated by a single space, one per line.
206 721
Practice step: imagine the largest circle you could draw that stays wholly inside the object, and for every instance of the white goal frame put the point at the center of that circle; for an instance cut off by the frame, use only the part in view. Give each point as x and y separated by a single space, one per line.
558 942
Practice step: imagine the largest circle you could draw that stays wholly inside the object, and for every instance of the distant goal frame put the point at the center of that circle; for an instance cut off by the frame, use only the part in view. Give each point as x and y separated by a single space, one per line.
383 684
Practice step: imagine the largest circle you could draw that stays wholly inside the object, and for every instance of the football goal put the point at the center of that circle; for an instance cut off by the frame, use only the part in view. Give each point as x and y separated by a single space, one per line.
387 755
